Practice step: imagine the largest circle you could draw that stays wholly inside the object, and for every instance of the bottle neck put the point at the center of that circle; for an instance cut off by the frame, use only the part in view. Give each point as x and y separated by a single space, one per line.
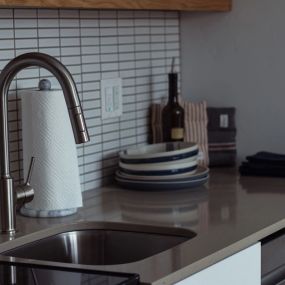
172 88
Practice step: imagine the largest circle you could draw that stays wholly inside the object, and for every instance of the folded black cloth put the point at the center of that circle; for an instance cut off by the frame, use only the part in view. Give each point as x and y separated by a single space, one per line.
264 164
222 158
267 158
221 119
248 169
258 165
225 136
222 136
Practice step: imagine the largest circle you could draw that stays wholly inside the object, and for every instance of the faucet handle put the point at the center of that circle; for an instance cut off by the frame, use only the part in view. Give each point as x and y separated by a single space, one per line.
25 192
30 171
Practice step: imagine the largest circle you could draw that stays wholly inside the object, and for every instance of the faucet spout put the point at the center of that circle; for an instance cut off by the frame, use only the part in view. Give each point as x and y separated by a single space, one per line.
7 196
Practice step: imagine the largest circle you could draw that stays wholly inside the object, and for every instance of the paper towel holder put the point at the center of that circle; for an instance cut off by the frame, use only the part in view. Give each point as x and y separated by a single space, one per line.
44 84
8 199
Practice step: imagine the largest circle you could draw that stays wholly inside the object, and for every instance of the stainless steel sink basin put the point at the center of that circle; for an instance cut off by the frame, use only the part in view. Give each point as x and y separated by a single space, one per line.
108 244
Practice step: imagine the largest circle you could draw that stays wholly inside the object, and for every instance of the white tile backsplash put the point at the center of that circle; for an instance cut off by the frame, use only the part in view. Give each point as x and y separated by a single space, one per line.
6 23
94 44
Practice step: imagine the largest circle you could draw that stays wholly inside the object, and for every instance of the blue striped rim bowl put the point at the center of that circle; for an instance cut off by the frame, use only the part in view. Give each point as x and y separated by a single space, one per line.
159 153
153 169
200 172
161 185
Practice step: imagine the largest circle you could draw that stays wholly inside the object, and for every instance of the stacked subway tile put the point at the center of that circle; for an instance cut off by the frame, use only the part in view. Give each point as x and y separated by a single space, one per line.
222 136
137 46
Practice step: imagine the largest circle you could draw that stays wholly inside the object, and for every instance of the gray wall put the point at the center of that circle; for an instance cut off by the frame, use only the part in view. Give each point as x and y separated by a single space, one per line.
238 59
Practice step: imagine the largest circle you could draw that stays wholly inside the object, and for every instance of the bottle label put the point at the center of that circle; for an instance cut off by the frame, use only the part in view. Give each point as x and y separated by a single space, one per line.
177 133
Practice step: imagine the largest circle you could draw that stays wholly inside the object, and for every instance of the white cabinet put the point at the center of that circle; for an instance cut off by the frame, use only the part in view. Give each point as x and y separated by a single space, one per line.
242 268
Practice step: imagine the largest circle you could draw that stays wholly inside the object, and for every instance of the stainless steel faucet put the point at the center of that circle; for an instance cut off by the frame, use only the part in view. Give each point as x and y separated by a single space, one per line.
8 196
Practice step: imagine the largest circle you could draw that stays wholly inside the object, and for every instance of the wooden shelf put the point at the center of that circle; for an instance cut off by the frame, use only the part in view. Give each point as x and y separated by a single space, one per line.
181 5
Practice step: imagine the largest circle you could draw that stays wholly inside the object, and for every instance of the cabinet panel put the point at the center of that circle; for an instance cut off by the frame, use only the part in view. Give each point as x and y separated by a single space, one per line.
183 5
243 268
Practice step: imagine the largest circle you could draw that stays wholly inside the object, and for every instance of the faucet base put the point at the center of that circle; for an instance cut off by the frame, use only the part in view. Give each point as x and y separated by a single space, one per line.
7 206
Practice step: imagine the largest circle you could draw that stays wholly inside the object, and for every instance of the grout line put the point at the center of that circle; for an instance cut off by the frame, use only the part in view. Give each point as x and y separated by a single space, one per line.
100 69
135 73
18 99
82 93
119 73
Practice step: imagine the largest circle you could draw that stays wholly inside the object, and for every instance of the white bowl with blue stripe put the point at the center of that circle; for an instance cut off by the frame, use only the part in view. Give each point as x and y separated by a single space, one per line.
160 153
200 172
164 168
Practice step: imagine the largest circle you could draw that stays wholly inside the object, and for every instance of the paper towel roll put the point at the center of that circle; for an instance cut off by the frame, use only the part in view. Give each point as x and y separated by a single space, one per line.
47 135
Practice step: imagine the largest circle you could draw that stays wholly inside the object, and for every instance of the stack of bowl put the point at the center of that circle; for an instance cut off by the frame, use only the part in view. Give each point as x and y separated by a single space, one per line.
164 166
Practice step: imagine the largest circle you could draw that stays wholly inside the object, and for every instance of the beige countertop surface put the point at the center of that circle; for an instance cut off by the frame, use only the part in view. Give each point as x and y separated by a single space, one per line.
228 214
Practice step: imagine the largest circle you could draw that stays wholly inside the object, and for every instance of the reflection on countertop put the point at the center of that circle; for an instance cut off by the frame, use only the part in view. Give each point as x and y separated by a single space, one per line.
228 214
265 185
223 199
163 208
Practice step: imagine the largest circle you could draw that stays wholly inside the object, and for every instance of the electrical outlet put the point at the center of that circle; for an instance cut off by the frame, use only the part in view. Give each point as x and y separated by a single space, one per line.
111 98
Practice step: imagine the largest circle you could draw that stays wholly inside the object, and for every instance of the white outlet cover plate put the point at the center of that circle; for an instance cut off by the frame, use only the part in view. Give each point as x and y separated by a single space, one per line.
111 98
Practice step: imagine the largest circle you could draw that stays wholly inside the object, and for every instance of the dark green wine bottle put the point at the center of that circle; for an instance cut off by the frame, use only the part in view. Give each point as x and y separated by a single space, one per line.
172 113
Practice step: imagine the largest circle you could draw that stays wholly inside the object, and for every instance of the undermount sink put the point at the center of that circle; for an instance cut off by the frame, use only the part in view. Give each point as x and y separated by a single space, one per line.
103 244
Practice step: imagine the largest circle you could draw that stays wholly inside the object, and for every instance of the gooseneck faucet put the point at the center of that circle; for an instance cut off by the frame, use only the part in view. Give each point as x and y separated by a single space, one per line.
9 196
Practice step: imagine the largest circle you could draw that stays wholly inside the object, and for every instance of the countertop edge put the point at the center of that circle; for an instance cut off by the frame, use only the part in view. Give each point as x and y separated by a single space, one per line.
220 255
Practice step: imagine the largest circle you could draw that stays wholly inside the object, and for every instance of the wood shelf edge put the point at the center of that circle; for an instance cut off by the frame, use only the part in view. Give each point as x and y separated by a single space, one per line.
178 5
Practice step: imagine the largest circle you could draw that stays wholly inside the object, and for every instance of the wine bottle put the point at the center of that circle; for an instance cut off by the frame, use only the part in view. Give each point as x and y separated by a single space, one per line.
172 113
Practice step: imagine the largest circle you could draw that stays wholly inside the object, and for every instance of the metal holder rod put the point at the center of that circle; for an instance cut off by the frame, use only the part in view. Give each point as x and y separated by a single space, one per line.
30 171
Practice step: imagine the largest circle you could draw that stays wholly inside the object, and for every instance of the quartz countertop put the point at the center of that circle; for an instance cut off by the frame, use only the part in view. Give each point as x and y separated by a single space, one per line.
228 214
